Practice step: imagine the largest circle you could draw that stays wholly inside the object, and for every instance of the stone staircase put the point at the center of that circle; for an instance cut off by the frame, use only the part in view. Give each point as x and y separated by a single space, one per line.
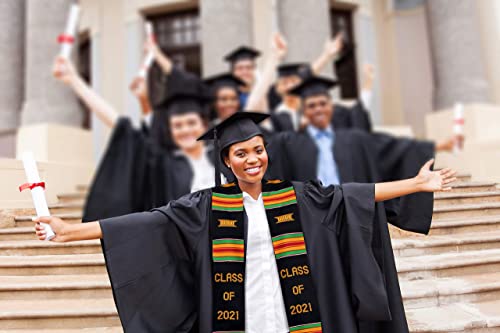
52 287
450 280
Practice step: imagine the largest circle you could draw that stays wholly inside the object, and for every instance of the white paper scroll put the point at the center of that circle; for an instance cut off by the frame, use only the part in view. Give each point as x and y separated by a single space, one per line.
458 127
37 193
67 39
148 60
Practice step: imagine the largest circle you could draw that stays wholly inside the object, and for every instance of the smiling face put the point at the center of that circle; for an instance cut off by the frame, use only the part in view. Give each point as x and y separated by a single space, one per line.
227 102
248 160
318 110
244 70
186 128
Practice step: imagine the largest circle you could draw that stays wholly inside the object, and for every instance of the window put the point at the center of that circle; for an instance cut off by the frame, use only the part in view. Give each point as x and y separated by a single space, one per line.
179 36
345 66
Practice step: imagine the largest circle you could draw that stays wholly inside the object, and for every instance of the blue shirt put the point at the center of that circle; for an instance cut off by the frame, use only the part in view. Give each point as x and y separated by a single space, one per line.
327 171
243 99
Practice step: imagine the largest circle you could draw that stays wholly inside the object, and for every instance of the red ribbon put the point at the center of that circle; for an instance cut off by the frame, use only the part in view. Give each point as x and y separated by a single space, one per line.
459 121
65 39
31 186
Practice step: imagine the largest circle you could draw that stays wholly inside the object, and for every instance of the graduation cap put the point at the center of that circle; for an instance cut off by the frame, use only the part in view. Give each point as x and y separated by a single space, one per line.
302 70
315 85
239 127
185 102
241 53
223 80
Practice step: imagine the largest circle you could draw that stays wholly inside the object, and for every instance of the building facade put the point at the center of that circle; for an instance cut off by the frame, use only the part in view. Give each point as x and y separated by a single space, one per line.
427 55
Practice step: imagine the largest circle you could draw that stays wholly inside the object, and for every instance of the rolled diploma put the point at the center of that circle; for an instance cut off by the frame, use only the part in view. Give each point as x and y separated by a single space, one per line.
70 30
458 126
37 193
149 56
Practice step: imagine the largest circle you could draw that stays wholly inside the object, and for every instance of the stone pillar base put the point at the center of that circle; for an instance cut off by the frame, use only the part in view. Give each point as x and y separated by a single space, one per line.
56 143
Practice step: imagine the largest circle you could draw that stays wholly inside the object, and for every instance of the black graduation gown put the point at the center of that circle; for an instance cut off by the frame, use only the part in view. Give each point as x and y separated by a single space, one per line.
159 262
363 157
355 117
135 175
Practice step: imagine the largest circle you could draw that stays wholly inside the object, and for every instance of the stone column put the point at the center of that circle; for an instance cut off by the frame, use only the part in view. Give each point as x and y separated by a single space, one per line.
11 64
306 27
46 99
454 34
226 24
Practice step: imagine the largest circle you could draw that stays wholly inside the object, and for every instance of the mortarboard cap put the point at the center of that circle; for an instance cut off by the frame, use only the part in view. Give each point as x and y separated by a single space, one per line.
315 85
241 53
240 127
302 70
223 80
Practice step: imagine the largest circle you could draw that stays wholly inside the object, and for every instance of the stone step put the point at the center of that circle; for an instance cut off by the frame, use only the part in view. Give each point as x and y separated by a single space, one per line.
466 210
468 225
26 220
481 317
57 208
37 247
446 291
52 264
72 197
418 245
55 287
85 187
448 264
445 198
67 313
461 187
18 233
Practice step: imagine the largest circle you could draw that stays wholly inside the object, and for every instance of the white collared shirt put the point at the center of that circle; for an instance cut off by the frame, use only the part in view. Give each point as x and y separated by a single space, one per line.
203 172
264 305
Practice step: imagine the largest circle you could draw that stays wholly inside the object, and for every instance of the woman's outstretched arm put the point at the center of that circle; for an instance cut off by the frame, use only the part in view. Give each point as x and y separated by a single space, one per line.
65 72
425 181
67 232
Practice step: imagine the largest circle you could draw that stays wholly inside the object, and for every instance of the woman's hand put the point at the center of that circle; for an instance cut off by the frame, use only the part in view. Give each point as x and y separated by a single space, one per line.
333 46
139 87
64 71
279 46
434 181
60 228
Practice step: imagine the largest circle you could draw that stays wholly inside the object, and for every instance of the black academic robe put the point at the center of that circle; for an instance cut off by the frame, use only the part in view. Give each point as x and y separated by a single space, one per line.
135 175
363 157
159 262
355 117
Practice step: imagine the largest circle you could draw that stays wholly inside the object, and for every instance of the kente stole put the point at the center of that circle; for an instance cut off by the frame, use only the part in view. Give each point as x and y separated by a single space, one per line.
227 233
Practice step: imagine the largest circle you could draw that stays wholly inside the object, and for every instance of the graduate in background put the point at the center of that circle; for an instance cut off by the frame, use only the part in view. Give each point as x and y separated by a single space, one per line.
224 88
243 65
151 168
255 255
347 155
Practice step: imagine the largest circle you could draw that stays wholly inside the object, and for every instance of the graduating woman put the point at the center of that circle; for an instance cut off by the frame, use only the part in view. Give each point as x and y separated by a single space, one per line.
255 255
147 168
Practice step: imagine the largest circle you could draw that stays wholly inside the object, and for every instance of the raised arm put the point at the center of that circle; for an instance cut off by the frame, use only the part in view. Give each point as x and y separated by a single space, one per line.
161 58
139 88
331 50
425 181
257 101
65 72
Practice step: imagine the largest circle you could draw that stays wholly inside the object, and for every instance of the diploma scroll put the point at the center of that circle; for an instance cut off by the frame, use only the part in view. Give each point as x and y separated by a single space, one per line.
68 38
148 61
37 191
458 127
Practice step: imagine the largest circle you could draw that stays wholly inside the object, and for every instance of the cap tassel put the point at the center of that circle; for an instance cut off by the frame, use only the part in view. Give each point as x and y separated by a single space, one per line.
216 158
